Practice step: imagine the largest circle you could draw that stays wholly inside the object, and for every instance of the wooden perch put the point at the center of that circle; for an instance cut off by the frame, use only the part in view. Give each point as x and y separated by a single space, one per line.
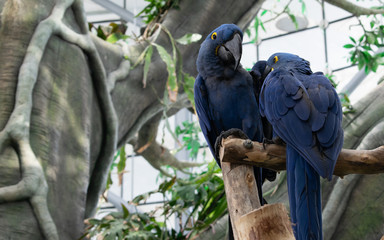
249 221
273 157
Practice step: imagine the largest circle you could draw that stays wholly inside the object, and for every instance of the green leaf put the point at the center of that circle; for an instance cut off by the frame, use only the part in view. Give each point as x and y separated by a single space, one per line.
114 26
352 39
171 66
303 7
360 60
349 46
165 186
372 24
121 163
293 19
371 37
114 37
374 66
256 27
189 82
248 32
90 26
262 26
189 38
367 56
109 180
100 33
125 211
147 63
141 57
264 12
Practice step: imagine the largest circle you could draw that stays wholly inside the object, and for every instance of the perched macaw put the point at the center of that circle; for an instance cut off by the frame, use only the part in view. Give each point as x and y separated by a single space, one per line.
223 90
305 112
224 93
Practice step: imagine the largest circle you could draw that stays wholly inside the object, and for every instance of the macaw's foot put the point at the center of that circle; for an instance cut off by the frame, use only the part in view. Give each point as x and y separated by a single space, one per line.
278 141
274 140
234 132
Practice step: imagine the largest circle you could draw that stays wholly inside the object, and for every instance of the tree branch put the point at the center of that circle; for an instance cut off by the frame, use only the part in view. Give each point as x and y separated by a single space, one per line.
354 9
273 157
156 154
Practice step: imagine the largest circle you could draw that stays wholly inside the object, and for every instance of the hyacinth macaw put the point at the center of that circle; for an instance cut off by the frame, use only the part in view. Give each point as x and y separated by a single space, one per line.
223 92
305 112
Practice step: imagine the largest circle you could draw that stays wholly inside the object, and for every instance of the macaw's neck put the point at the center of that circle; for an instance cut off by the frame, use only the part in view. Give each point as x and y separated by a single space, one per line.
214 67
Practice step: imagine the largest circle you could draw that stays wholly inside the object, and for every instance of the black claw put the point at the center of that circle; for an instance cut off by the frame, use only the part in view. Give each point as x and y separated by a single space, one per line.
234 132
218 146
278 141
267 141
225 134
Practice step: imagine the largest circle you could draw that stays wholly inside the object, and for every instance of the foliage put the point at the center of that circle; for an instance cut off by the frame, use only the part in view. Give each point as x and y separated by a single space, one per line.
118 162
191 140
331 78
346 103
364 51
268 15
200 198
156 8
111 33
173 62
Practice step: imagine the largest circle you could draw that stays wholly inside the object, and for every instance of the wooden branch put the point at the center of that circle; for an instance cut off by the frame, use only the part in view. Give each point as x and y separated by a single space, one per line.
249 220
241 190
270 222
273 157
353 8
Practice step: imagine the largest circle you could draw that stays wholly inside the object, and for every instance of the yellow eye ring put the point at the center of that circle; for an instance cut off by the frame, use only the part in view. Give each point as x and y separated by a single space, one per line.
275 59
214 36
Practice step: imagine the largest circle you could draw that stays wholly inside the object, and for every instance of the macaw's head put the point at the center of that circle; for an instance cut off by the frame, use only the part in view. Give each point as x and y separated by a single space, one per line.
289 62
259 71
221 49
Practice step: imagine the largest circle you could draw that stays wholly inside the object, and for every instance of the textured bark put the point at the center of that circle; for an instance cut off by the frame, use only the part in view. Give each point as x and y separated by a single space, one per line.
353 8
270 222
241 190
273 156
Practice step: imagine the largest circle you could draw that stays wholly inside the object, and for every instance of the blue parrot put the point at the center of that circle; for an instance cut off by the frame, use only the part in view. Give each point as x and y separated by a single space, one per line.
224 93
305 112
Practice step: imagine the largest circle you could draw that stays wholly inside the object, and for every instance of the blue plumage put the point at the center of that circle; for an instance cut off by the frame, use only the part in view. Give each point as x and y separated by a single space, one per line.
305 111
224 91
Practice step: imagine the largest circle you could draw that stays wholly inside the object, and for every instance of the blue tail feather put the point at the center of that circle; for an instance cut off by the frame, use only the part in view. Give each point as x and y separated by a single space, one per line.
304 197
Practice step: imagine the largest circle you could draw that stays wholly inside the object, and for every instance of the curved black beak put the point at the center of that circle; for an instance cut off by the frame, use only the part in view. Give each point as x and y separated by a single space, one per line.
231 51
267 70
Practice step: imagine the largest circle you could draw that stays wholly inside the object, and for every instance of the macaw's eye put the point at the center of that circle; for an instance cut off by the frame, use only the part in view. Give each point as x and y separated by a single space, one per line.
214 36
275 59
